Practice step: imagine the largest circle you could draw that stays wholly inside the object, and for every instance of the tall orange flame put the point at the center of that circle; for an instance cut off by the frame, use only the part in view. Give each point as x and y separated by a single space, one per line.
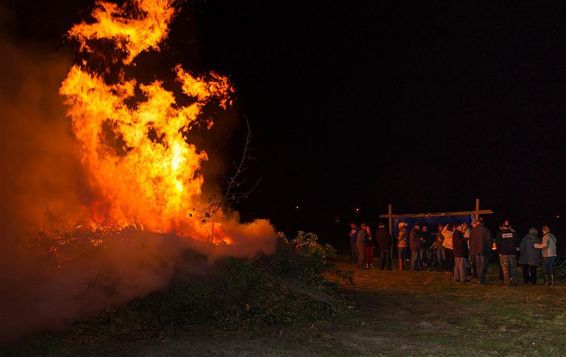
139 156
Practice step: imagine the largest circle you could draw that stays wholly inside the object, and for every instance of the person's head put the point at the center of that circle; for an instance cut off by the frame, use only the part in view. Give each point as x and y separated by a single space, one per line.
506 224
545 228
353 225
440 227
417 226
465 226
402 225
478 222
425 228
364 225
533 231
381 226
450 226
457 227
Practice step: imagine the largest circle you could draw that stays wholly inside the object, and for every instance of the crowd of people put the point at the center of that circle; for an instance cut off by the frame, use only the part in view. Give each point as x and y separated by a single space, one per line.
461 249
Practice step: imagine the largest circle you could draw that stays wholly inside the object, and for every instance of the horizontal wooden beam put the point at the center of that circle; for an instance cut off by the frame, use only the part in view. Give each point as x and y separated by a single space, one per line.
439 214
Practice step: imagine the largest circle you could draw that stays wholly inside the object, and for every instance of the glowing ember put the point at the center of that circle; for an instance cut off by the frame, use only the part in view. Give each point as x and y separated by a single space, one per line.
139 155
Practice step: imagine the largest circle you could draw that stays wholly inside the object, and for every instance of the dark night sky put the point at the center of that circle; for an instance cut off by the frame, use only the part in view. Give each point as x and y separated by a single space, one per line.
423 104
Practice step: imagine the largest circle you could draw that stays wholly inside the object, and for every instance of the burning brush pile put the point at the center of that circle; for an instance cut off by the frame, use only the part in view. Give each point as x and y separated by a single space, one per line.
104 199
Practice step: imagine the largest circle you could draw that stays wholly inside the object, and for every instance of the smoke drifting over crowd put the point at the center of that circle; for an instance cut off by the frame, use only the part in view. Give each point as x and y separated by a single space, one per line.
100 198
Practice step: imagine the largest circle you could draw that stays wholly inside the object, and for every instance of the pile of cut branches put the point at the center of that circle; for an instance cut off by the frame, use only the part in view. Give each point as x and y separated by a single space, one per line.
292 285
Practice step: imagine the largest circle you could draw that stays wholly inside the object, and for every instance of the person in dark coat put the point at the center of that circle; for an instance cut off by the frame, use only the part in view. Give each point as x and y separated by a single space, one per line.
460 248
415 242
383 240
353 235
369 245
480 247
507 247
530 256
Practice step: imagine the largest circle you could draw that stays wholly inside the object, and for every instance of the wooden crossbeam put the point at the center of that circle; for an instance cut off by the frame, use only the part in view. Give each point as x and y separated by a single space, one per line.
437 214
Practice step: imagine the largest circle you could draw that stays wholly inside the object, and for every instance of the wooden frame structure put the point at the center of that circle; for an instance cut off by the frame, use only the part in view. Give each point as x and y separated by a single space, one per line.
476 213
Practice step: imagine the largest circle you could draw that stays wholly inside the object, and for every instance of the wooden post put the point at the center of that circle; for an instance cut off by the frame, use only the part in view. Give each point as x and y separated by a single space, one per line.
477 215
390 217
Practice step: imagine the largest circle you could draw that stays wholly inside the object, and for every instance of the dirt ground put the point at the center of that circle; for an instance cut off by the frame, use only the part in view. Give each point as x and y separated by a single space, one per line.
395 313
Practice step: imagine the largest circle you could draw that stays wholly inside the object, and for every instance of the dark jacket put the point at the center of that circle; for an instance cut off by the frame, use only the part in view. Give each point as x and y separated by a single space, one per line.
383 239
507 242
529 254
415 239
363 237
459 245
480 241
427 239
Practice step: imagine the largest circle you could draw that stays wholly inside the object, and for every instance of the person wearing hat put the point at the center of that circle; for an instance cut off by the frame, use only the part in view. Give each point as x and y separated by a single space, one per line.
480 247
530 256
507 247
548 247
402 236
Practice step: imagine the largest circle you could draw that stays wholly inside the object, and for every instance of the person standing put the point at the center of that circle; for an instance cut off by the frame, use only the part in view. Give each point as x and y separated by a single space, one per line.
438 249
480 247
369 246
548 246
353 235
426 244
361 238
467 231
530 256
460 248
507 246
402 237
383 240
448 249
415 239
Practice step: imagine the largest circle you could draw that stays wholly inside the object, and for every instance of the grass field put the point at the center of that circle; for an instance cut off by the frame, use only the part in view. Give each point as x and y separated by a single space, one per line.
390 313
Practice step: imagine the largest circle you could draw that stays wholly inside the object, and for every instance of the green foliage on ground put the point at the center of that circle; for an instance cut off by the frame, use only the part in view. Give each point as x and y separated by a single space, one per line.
288 286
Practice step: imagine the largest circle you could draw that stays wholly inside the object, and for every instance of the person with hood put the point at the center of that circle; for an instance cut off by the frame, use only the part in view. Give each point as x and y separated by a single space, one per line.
548 247
460 248
507 246
415 238
480 247
383 240
353 235
530 256
402 237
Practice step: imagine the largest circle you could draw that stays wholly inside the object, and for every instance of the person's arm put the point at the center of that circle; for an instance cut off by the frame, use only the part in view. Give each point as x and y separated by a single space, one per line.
544 243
